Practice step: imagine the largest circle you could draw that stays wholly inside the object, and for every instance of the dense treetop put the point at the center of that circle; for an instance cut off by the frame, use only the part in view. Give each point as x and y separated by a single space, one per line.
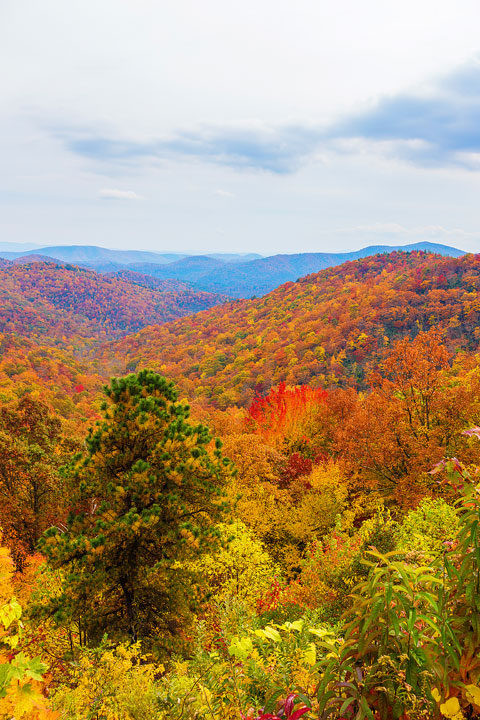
53 300
325 328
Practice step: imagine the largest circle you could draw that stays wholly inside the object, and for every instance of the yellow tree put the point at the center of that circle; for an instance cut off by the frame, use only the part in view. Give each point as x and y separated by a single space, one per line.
21 677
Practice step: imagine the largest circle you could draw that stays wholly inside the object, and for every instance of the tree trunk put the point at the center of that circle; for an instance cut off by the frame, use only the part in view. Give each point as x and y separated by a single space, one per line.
128 595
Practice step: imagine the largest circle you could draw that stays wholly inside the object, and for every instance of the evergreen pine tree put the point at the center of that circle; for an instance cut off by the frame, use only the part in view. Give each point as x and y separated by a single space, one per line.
148 493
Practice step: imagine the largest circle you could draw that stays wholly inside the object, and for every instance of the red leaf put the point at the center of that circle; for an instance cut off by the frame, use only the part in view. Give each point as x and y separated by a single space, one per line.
298 713
288 706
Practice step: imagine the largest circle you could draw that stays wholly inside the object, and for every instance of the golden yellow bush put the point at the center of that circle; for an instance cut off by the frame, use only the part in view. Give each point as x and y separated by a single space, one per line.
112 684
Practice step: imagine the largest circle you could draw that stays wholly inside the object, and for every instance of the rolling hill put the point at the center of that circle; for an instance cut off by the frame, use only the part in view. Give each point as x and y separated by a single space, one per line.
265 274
325 329
190 269
148 281
33 258
93 255
49 300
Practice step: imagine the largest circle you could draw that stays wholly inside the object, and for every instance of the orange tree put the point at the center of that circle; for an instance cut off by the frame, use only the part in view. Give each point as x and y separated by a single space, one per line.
410 419
31 450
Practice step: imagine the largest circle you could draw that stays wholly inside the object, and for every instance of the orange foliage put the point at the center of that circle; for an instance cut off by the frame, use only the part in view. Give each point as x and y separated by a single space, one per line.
288 418
326 329
52 375
57 302
23 684
412 417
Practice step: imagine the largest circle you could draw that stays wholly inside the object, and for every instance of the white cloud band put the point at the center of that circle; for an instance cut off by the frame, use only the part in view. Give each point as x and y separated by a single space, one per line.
114 194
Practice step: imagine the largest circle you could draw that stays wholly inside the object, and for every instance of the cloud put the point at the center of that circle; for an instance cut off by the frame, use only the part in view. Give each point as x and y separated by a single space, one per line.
113 194
438 126
224 193
278 150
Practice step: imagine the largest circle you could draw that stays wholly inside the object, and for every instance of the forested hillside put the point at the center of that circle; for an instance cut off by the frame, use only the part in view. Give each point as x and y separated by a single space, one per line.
148 281
326 328
55 301
65 379
299 539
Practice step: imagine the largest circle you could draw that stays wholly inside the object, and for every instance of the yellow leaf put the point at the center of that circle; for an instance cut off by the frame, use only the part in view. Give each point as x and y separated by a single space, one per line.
310 654
472 693
450 707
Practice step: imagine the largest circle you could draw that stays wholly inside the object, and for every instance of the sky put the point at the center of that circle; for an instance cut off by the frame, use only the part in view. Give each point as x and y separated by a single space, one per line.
266 126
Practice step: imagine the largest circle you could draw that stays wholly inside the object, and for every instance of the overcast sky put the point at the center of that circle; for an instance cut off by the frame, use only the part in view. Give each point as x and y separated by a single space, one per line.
240 125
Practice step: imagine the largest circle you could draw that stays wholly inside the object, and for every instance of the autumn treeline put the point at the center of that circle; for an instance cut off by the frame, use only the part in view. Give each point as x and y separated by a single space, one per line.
59 301
297 446
284 526
327 329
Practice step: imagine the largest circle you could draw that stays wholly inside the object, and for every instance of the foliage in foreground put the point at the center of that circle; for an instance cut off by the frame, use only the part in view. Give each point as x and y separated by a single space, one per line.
408 647
377 617
22 682
111 684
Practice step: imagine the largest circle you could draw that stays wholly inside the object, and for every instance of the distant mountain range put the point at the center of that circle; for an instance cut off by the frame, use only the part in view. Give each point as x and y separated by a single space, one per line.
196 269
259 277
236 275
92 255
148 281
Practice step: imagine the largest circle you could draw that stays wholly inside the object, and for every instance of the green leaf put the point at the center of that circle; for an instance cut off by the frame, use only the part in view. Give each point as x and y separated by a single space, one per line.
349 701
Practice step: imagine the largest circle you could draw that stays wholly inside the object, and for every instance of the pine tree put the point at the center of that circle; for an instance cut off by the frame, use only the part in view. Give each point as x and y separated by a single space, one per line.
148 493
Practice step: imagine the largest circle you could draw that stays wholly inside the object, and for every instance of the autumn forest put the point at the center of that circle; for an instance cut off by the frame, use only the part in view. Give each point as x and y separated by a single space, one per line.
216 508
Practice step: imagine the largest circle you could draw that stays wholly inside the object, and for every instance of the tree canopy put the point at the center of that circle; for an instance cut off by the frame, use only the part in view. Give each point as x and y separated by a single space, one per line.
147 492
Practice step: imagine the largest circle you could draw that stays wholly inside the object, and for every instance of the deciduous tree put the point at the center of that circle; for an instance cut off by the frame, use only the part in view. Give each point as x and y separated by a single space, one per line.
31 448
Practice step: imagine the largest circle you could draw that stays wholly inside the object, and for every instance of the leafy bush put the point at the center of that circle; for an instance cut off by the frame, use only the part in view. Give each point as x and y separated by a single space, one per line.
425 529
250 670
240 568
111 684
333 566
22 685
